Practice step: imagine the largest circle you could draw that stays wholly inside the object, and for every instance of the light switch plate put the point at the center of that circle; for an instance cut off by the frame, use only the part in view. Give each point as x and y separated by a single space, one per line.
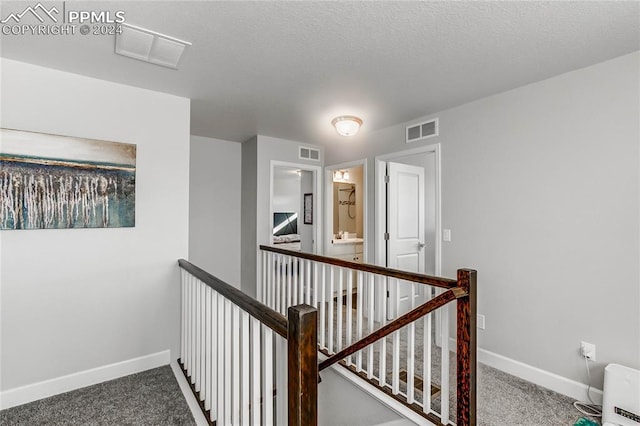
480 322
446 234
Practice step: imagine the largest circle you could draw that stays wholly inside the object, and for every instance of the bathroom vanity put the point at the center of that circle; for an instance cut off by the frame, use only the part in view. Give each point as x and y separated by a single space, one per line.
347 249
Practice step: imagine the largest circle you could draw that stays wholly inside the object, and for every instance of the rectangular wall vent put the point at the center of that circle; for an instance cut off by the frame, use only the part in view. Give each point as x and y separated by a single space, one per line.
424 130
306 153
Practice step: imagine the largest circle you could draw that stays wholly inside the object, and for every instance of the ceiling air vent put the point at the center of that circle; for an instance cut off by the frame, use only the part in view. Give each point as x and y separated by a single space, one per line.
425 130
306 153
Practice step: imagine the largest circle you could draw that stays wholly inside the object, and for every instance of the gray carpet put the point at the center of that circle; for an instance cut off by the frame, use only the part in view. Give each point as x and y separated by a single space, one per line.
503 399
152 397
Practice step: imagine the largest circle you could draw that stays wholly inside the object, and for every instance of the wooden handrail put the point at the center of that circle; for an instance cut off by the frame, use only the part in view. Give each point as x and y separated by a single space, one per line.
272 319
366 267
397 324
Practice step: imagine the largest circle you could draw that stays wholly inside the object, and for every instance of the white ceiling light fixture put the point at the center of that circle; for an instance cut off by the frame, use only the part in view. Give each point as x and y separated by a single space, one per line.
347 125
150 46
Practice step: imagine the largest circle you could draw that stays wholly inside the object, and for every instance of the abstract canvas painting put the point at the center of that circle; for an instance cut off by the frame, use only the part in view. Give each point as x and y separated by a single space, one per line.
49 181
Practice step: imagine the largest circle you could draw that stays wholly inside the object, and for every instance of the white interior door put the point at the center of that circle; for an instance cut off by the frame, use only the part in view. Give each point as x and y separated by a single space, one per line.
406 233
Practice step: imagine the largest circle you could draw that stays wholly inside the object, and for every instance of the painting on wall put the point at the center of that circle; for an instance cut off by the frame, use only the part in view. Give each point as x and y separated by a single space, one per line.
308 209
52 182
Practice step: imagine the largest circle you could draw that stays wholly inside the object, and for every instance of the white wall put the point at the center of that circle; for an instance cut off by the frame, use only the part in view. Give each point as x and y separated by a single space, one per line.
306 230
286 190
340 402
540 190
77 299
257 154
248 220
214 207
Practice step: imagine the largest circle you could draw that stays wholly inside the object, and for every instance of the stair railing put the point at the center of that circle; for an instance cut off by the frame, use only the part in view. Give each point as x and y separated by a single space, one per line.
245 362
355 329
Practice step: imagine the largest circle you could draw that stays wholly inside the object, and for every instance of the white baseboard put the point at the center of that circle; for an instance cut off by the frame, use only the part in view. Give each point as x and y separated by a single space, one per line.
399 422
546 379
198 416
33 392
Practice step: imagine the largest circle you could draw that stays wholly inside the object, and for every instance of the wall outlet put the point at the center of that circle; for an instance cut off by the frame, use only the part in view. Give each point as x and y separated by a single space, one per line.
588 350
480 322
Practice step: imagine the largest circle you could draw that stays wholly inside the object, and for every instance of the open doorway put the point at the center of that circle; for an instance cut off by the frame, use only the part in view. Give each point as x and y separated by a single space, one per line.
346 211
295 207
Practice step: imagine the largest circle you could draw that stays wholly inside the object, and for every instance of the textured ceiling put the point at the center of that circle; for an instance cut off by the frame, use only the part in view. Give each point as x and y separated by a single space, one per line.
285 69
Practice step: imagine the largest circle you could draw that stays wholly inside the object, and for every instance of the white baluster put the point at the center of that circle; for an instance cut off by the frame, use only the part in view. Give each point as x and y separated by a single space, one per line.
359 312
308 289
382 379
370 321
330 310
316 285
183 314
220 332
214 354
206 393
267 376
197 324
278 285
286 283
245 376
411 340
235 365
263 285
322 307
281 381
444 356
339 308
349 310
187 318
395 371
192 332
255 372
383 343
411 353
270 281
228 362
290 285
294 288
203 349
301 281
426 368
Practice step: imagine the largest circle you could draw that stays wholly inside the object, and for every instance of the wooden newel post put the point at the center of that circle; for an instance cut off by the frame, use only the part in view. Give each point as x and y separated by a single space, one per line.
302 356
467 349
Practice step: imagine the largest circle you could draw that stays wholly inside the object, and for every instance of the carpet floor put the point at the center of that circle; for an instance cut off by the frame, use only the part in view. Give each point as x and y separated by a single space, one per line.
152 397
503 399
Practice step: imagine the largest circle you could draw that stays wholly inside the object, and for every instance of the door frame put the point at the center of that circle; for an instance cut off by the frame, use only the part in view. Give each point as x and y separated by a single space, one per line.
328 193
317 199
380 219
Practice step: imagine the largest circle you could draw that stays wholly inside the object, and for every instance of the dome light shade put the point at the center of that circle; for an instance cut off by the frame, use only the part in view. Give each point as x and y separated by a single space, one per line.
347 125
